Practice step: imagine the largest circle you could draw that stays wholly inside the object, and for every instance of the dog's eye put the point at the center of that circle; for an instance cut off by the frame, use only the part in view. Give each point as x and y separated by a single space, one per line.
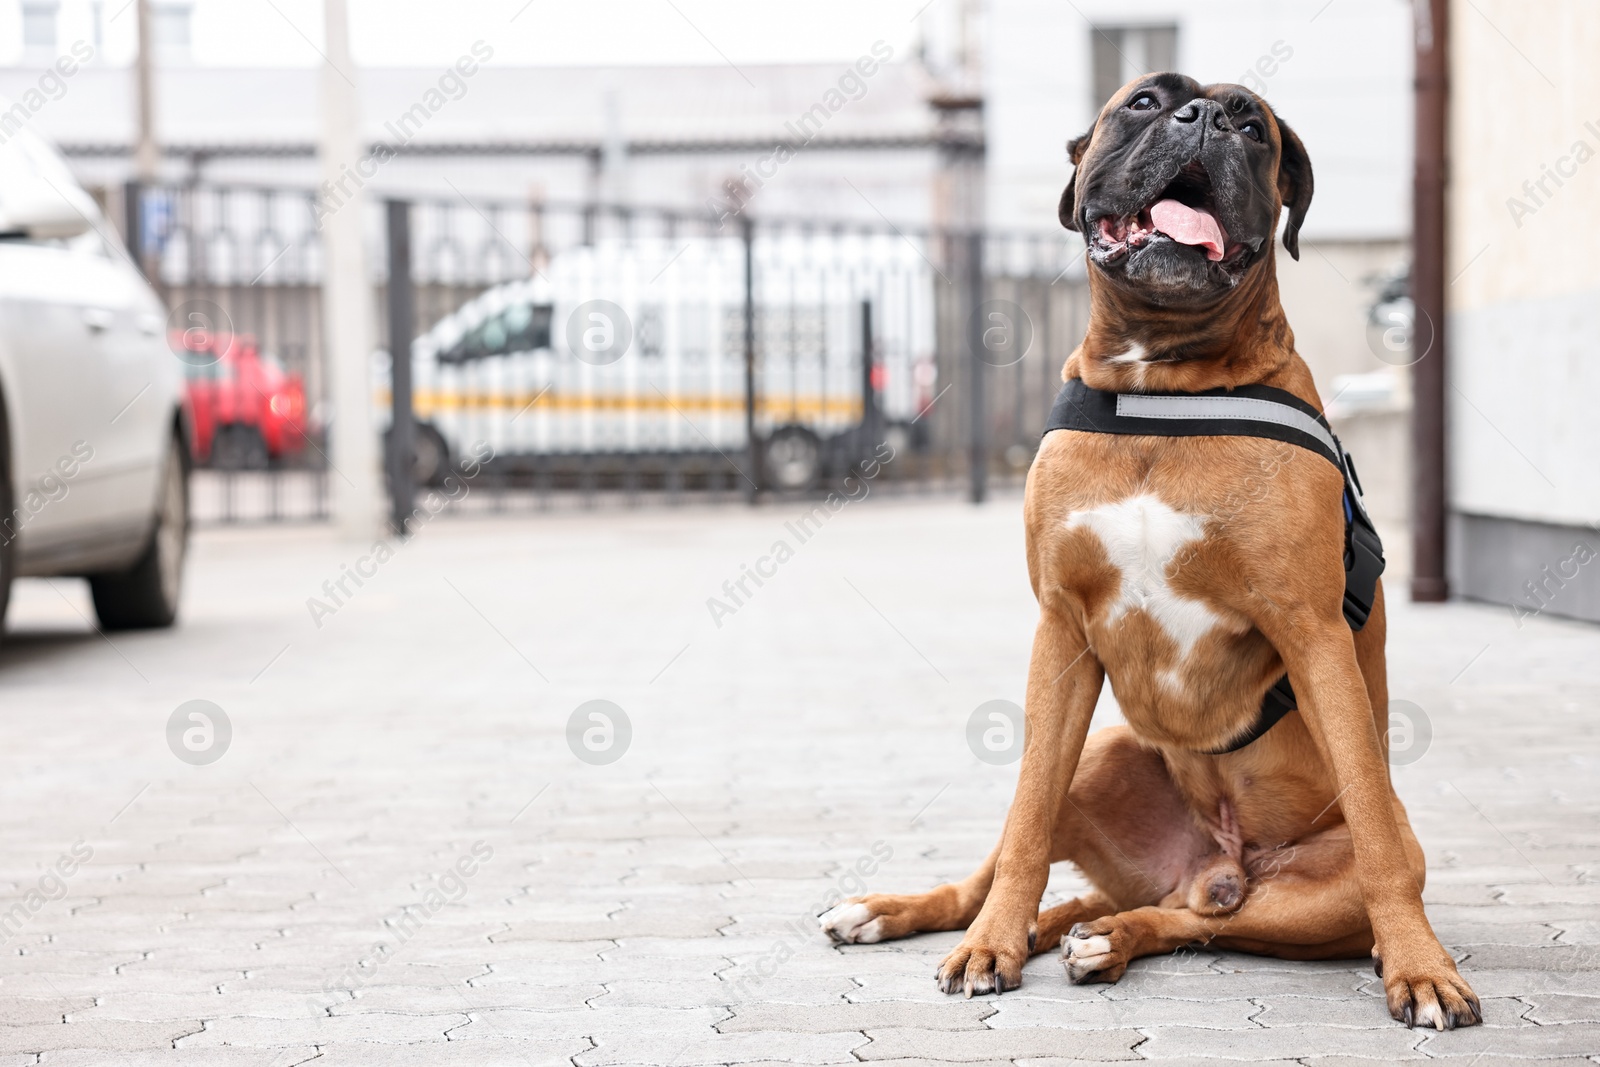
1143 102
1251 130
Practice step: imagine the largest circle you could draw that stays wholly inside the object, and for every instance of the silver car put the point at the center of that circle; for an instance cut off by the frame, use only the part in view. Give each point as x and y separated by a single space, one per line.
93 437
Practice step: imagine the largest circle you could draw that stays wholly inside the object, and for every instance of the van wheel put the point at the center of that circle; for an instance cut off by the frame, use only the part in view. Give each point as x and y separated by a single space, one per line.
146 595
792 459
430 455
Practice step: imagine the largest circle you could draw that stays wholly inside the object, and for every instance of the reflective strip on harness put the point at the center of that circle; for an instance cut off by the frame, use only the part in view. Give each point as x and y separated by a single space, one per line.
1224 407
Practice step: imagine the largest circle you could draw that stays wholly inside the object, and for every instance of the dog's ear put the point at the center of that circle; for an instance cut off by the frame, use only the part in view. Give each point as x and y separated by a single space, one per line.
1075 150
1294 184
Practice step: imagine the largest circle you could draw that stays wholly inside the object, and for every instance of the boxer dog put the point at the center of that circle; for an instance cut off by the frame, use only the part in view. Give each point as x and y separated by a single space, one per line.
1149 571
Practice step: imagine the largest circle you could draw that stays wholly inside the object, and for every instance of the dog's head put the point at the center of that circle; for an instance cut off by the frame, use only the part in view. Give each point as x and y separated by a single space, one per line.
1177 189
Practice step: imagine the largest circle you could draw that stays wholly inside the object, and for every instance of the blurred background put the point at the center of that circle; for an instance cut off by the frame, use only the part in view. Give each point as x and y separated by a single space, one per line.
649 250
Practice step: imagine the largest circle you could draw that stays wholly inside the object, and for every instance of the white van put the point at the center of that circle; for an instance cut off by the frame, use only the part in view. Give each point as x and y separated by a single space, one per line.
637 350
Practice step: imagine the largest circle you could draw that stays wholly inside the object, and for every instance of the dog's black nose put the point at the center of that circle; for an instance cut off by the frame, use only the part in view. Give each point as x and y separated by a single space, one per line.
1206 112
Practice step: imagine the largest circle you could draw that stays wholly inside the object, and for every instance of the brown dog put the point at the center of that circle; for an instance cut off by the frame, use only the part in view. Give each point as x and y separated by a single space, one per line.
1149 570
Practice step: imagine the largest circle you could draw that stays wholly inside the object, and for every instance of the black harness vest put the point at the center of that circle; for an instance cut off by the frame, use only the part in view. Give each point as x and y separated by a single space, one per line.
1248 411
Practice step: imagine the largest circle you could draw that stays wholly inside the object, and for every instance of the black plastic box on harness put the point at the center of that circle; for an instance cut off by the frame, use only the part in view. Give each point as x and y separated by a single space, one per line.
1247 411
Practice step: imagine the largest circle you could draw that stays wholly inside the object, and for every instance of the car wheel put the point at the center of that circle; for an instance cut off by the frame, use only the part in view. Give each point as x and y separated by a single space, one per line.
239 448
8 535
792 459
146 595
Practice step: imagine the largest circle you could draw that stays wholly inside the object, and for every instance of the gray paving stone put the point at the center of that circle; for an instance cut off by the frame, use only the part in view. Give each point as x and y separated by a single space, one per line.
690 993
966 1046
531 968
1364 1061
722 1048
964 1015
898 1063
16 1011
1391 1042
385 1027
491 1052
606 930
1545 957
1533 893
1532 984
1057 1062
673 1023
1527 1041
1234 985
1579 931
1559 1008
890 1063
107 1035
136 1006
168 1057
626 926
1457 935
1492 916
1103 1013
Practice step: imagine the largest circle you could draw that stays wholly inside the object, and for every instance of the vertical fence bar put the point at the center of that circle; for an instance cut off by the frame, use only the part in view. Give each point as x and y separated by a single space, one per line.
979 430
752 446
402 325
133 222
871 432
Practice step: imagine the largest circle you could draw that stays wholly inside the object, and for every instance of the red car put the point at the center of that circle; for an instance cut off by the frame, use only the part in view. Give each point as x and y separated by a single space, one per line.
248 410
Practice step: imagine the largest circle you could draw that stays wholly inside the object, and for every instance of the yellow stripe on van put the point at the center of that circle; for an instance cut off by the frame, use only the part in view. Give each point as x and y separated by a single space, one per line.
426 402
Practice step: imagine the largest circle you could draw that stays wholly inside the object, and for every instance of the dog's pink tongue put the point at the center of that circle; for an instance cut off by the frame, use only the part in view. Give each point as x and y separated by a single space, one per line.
1189 226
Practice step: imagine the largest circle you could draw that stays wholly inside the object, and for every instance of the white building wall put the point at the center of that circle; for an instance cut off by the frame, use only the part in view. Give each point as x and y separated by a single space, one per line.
1525 300
1524 305
1344 86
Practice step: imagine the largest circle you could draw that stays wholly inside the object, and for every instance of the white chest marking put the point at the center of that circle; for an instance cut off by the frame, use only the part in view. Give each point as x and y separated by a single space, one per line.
1142 536
1134 358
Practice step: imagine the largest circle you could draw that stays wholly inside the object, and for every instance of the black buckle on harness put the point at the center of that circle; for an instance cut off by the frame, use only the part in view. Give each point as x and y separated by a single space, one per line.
1363 564
1363 550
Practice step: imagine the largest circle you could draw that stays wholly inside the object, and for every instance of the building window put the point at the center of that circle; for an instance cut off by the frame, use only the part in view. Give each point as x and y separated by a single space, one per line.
1122 53
169 31
39 27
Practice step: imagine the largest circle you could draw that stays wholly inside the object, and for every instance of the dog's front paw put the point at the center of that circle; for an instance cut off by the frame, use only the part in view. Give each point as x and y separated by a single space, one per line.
1430 993
981 964
1093 952
852 923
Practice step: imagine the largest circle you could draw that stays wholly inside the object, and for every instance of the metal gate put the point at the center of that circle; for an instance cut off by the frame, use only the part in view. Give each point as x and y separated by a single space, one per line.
581 353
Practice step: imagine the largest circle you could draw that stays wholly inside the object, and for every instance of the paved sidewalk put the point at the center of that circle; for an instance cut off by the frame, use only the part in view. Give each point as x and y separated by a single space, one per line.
399 859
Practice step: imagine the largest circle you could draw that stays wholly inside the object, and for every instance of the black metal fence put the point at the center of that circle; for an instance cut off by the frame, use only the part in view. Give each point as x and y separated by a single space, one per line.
585 353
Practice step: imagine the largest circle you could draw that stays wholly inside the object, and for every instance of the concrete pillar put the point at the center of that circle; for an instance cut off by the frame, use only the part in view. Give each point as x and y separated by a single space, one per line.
146 153
347 293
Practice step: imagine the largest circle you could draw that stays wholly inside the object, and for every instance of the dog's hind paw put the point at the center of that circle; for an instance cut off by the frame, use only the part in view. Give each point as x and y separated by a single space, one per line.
851 923
1089 953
